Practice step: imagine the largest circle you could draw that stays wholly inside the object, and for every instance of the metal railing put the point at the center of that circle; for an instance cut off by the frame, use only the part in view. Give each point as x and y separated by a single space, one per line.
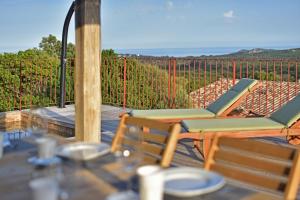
195 83
154 83
24 84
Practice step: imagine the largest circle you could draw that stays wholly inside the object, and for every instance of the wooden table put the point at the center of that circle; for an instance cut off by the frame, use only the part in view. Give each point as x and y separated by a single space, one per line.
92 180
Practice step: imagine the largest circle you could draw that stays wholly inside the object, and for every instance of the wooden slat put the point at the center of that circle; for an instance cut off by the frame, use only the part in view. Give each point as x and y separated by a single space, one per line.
251 162
142 122
262 196
248 177
129 142
149 136
146 147
155 138
259 147
151 160
153 149
294 179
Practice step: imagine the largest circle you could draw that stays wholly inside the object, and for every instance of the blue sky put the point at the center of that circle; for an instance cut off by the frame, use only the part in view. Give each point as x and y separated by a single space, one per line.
159 23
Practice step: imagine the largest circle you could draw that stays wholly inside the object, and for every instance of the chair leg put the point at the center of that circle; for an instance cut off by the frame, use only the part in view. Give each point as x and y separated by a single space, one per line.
206 145
197 146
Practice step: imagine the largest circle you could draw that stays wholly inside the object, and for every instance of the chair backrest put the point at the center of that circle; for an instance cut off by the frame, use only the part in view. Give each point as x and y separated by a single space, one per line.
289 113
262 164
231 96
159 141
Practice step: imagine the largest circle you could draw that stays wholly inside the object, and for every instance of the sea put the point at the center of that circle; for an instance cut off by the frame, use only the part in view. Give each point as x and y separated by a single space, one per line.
184 52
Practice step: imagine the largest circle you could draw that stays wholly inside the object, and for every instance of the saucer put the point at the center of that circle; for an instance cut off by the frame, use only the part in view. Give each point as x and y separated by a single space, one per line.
44 162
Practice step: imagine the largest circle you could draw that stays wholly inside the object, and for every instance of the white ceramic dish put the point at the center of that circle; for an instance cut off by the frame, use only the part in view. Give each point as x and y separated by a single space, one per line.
188 182
82 151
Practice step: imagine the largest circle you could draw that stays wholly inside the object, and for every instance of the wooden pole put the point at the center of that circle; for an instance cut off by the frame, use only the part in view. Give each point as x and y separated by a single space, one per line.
87 71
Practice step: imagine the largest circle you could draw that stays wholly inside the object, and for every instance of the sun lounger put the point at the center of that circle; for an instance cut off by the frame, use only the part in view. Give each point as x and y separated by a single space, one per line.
283 122
220 108
257 163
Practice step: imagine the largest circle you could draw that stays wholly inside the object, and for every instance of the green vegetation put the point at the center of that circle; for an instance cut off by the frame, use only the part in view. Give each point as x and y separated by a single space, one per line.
142 91
31 77
267 54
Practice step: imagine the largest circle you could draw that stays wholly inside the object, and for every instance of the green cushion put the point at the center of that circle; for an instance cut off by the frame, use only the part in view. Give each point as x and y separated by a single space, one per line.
172 113
231 124
244 83
223 102
289 113
231 96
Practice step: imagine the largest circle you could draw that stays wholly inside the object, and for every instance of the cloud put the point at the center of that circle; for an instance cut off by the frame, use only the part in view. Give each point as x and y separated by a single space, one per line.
169 5
229 14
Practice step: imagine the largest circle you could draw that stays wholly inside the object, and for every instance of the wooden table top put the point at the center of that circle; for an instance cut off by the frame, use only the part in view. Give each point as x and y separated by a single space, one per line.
92 180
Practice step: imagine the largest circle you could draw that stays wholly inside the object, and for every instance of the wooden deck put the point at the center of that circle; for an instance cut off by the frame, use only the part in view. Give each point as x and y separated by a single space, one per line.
185 154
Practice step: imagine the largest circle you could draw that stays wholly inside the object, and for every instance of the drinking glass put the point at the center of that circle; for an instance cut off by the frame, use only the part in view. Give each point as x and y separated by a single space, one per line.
37 123
130 154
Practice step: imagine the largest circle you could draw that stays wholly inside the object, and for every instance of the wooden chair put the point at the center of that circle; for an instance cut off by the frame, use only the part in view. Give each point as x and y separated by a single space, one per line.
158 143
256 163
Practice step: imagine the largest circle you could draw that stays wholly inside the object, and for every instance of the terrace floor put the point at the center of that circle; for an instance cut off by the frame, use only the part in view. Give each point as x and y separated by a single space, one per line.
110 119
185 153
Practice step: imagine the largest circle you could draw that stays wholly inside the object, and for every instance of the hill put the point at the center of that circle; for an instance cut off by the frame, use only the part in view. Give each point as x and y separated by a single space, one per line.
256 53
260 53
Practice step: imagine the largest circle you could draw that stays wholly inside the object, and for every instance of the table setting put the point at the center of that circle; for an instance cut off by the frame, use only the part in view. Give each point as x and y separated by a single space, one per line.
56 168
103 175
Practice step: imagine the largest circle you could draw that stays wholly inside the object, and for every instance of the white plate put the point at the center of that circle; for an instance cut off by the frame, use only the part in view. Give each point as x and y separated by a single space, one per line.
187 181
82 151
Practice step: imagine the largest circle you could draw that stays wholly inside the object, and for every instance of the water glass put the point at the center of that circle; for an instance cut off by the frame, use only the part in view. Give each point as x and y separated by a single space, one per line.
46 147
130 157
45 188
151 182
37 123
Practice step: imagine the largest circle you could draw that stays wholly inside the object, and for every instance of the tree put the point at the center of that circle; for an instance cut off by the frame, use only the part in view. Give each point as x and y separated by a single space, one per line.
51 45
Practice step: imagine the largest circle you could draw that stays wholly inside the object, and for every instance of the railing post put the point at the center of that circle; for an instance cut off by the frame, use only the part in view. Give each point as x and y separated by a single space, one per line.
233 72
20 88
124 82
169 83
174 82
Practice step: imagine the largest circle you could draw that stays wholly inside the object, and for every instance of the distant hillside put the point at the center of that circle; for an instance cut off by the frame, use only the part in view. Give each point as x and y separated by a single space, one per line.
257 53
266 54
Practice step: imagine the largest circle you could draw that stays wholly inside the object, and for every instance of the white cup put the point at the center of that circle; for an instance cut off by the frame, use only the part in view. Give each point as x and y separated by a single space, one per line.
46 147
1 144
45 188
151 182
